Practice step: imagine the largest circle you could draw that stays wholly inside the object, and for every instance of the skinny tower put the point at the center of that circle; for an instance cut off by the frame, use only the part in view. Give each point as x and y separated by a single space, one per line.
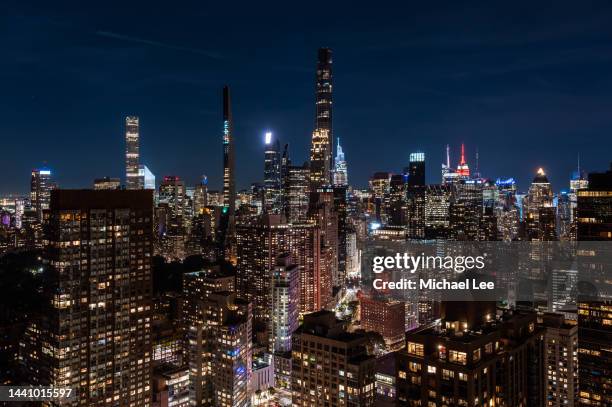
321 152
132 152
229 185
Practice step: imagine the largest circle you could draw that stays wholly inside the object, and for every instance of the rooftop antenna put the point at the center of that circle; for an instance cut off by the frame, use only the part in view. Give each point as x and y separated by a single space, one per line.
447 156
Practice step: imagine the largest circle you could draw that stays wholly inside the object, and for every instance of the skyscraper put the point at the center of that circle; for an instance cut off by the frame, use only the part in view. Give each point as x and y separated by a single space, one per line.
320 169
594 208
285 302
539 212
341 170
463 169
321 154
416 170
40 190
258 246
229 183
200 198
560 360
272 175
296 192
594 354
220 350
97 335
147 178
132 153
324 93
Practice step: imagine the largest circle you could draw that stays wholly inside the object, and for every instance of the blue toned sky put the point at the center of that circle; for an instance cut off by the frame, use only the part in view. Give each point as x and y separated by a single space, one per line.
527 83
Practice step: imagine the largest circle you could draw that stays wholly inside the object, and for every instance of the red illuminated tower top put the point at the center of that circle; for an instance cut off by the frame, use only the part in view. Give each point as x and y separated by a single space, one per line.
463 169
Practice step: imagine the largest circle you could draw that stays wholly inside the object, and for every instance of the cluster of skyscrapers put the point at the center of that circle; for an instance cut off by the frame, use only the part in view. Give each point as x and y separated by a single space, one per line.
277 313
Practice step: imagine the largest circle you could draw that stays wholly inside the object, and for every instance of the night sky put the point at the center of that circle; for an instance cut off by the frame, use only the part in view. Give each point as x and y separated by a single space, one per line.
528 84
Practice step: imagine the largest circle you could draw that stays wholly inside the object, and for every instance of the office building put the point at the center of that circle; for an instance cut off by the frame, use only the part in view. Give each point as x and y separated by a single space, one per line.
466 210
146 177
437 211
40 190
200 197
272 175
416 170
594 208
538 210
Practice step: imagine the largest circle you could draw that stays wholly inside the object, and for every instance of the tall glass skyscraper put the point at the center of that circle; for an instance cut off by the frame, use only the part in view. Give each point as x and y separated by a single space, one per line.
416 170
272 175
40 190
132 153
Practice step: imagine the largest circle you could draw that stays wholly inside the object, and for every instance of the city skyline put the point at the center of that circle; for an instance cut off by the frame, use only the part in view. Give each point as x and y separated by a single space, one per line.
537 110
196 234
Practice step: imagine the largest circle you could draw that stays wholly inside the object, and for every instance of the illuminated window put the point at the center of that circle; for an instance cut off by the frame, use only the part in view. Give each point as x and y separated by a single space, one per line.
457 357
415 348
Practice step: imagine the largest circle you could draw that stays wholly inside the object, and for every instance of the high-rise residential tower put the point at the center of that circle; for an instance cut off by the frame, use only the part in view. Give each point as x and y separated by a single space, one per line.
132 153
96 335
471 357
296 192
324 92
331 367
229 186
321 152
